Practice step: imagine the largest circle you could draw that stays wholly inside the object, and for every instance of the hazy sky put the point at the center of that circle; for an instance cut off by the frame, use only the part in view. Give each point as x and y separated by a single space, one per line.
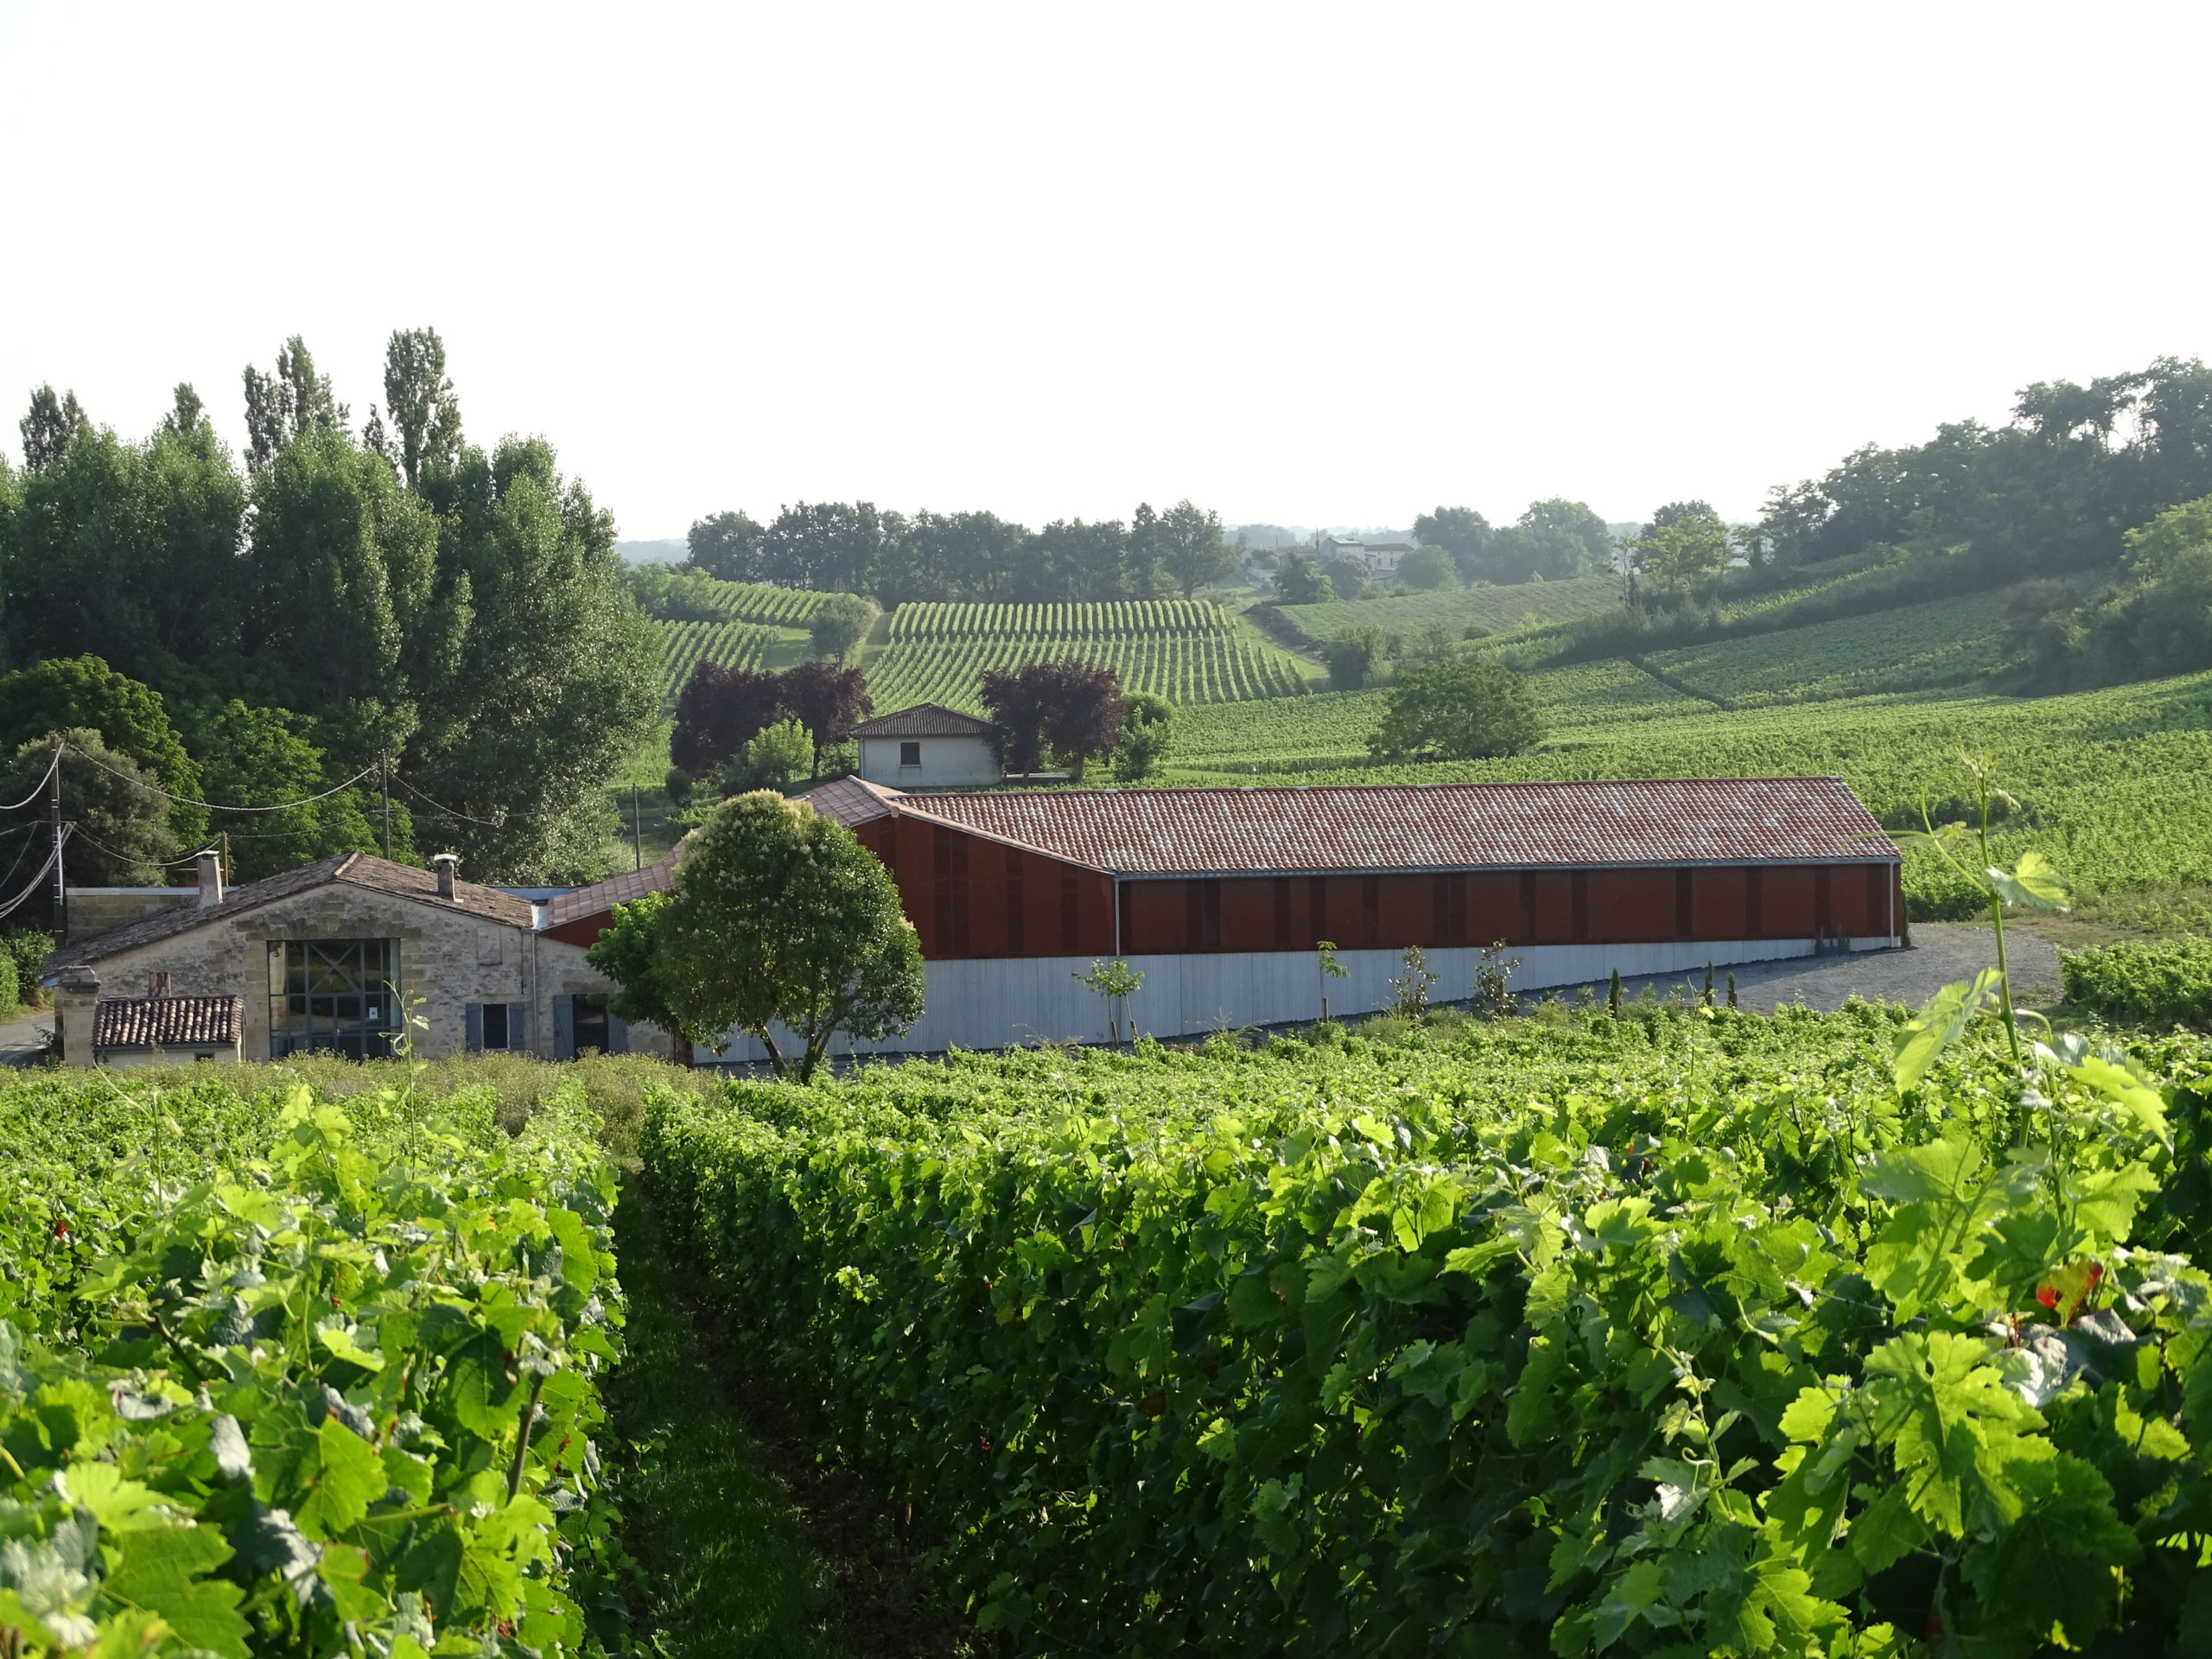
1302 263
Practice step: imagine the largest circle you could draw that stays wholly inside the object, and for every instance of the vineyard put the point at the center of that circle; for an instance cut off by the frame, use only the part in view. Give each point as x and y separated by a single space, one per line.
2115 786
1190 652
733 645
1947 642
1494 610
277 1377
1678 1333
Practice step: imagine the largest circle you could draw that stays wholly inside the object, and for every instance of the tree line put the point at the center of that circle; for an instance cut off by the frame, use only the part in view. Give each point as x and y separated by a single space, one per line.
851 547
340 601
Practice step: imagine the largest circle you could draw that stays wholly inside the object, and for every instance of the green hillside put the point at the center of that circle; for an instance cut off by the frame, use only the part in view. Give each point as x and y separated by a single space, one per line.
1493 610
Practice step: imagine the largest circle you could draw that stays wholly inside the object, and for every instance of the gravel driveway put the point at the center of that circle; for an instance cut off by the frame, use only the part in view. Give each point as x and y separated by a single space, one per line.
1942 953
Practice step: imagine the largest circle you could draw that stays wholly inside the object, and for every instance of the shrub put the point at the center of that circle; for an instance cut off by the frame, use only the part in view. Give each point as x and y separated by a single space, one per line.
2168 983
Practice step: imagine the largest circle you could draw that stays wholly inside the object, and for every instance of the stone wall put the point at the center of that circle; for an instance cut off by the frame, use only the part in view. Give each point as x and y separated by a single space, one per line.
448 958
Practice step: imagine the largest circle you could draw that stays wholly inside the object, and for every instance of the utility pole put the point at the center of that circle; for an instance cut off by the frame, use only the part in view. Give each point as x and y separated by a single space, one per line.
225 865
637 836
383 786
54 817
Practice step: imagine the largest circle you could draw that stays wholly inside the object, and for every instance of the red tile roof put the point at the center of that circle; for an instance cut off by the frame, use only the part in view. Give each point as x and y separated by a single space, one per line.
625 888
852 800
924 720
1428 826
167 1021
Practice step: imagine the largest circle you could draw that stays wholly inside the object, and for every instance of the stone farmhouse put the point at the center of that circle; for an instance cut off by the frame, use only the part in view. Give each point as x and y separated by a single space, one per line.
338 956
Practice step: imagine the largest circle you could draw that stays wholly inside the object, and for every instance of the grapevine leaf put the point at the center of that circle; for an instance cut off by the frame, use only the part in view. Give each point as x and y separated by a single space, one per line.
352 1478
1938 1022
2032 884
2116 1084
1959 1435
2054 1564
165 1573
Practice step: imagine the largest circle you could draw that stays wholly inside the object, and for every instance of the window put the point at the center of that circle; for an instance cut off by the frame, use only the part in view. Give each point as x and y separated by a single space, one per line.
910 755
337 996
581 1023
495 1027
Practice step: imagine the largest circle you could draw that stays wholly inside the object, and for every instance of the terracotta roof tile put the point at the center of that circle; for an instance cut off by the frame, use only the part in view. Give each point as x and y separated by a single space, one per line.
167 1021
853 800
625 888
924 720
1432 826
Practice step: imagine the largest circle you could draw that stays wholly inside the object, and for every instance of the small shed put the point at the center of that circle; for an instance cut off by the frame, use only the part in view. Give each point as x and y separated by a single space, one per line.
158 1030
928 746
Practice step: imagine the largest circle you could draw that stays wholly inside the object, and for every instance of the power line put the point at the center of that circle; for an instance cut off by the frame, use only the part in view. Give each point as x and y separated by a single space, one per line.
212 806
435 807
19 805
23 898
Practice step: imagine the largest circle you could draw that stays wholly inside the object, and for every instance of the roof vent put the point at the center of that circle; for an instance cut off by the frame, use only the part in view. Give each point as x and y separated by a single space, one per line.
448 865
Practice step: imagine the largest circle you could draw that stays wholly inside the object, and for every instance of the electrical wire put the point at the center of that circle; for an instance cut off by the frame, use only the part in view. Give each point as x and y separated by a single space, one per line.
24 897
212 806
447 810
42 782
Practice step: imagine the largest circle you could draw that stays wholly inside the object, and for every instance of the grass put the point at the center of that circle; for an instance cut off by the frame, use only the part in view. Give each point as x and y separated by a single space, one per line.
1494 610
726 1566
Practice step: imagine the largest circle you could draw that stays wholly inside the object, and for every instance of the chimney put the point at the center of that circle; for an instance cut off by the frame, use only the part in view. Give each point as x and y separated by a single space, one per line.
158 985
447 865
211 879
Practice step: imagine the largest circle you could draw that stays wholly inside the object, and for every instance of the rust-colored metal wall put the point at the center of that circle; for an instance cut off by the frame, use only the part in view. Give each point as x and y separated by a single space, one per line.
971 897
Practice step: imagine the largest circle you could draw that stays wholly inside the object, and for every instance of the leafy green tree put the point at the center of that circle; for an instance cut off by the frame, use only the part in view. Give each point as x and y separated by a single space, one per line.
1555 539
1459 711
50 427
346 618
287 405
840 625
934 556
1684 549
1072 560
130 552
259 757
779 755
122 836
1427 568
727 546
1140 576
1190 547
829 546
630 954
1301 583
188 414
780 919
1147 730
1351 655
1461 532
530 708
83 694
424 411
1347 577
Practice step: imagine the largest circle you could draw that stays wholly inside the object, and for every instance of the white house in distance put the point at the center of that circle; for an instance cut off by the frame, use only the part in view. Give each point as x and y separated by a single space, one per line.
928 746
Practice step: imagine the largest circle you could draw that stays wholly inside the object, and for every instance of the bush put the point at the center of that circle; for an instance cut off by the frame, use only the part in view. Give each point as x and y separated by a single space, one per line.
8 986
2165 983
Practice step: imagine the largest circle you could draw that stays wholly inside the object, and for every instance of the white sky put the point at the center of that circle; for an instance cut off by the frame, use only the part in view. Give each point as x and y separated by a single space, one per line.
1305 264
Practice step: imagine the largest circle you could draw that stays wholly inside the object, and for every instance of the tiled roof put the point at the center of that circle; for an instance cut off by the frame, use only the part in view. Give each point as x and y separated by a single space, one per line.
924 720
1428 826
167 1021
341 870
623 889
852 800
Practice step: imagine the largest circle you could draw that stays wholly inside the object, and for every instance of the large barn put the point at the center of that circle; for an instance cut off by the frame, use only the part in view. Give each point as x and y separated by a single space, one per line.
1219 897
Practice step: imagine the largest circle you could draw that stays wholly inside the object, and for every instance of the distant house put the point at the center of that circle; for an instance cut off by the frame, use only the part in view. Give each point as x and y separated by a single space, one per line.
928 746
1382 558
340 956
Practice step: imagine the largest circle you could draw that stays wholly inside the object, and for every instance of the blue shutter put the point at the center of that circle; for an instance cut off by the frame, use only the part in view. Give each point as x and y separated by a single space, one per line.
519 1027
618 1035
564 1027
473 1015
